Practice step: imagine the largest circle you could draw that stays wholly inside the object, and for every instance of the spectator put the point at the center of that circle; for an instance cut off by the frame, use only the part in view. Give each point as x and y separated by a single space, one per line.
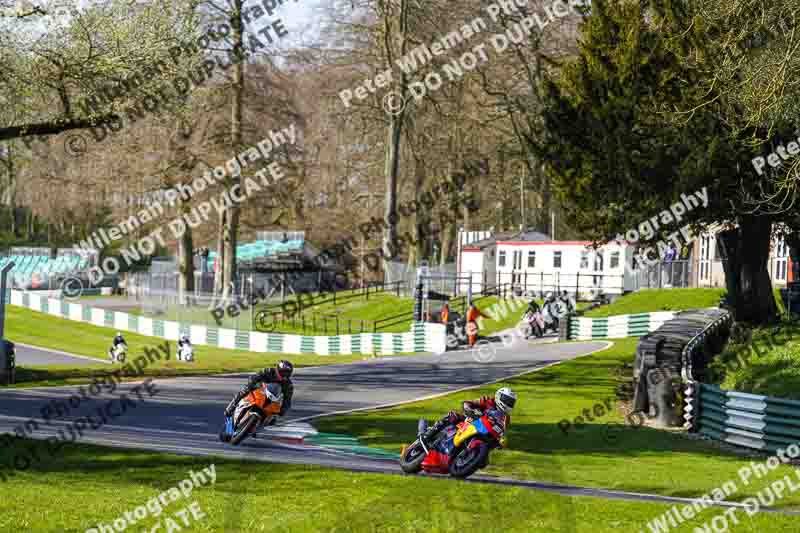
568 302
473 314
670 256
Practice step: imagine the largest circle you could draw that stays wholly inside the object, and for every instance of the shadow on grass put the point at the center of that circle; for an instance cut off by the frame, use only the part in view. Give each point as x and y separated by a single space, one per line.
155 469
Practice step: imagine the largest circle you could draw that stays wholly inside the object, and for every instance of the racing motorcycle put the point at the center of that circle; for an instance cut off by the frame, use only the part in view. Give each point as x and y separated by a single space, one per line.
259 408
533 324
185 353
118 354
551 313
459 450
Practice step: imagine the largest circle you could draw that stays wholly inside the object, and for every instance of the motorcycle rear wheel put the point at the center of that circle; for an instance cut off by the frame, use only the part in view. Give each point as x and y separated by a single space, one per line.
242 432
467 460
412 458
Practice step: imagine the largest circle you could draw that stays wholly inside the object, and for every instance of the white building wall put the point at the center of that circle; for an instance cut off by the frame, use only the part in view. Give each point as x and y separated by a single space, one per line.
472 265
533 266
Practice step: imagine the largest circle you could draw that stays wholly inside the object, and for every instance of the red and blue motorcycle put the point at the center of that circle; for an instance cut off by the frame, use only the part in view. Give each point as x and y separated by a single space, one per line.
459 449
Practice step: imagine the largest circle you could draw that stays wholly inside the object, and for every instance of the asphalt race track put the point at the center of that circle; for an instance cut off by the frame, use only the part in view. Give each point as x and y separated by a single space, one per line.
184 414
33 355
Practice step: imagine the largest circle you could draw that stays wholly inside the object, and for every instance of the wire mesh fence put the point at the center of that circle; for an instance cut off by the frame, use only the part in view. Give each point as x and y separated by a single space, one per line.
441 279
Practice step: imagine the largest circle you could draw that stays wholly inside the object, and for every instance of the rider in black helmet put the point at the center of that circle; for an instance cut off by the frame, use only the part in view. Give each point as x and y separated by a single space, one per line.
281 374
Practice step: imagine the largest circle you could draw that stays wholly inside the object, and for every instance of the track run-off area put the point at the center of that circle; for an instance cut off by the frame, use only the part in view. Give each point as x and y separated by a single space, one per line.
184 415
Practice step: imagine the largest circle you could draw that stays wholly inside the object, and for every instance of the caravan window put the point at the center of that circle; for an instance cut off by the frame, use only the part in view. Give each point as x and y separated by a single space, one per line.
585 259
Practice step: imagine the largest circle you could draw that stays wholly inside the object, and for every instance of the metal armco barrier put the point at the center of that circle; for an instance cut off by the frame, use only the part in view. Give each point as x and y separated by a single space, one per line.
748 420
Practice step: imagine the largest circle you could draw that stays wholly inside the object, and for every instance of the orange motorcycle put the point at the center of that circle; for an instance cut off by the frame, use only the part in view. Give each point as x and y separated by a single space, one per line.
255 410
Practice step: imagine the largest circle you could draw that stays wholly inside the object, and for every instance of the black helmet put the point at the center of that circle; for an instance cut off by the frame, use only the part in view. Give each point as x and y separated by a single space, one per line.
285 369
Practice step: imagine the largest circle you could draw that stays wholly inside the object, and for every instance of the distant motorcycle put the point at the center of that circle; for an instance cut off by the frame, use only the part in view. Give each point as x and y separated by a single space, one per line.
533 324
551 313
257 409
185 353
118 353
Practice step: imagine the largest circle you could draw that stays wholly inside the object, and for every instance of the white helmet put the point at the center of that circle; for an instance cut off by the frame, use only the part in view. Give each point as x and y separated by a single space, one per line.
505 399
119 334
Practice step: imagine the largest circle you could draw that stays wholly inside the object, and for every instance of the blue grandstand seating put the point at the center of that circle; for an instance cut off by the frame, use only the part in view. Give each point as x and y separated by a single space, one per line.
261 250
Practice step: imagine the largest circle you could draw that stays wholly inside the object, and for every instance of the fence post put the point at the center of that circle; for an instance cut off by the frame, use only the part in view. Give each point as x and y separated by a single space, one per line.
577 284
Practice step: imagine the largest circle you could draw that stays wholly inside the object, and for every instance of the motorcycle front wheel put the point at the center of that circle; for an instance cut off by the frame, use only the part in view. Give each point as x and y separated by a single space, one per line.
244 430
468 460
411 460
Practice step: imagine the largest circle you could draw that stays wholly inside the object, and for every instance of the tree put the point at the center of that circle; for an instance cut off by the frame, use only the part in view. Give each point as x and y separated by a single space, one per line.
631 125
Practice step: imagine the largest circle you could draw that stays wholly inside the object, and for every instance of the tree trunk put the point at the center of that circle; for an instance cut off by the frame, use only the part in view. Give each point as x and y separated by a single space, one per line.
220 253
231 226
392 163
12 195
186 260
416 251
745 252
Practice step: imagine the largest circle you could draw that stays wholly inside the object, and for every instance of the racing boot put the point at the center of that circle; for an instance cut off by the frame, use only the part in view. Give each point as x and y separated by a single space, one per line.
235 401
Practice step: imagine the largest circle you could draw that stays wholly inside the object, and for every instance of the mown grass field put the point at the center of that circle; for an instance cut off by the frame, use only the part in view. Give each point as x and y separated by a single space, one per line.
606 452
84 486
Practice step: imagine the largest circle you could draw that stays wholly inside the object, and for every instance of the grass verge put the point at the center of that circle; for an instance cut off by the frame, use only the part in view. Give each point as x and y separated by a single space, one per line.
762 361
87 485
654 300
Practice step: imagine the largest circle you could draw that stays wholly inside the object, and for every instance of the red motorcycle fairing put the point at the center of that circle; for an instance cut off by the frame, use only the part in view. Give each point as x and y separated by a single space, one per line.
436 462
438 459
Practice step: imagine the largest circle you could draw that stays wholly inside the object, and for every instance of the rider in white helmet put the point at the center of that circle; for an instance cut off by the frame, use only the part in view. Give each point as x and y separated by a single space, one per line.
184 340
118 339
504 401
